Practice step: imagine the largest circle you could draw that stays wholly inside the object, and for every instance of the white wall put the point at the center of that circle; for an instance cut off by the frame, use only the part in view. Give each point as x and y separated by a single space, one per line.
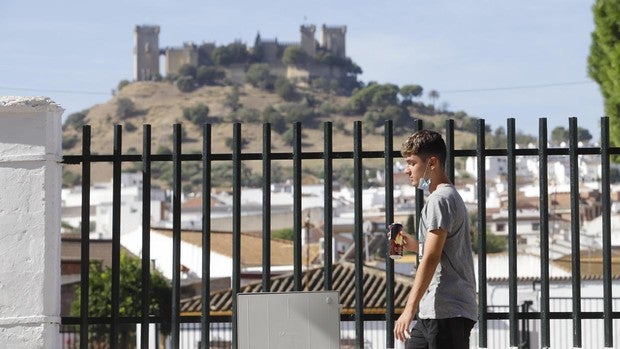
30 173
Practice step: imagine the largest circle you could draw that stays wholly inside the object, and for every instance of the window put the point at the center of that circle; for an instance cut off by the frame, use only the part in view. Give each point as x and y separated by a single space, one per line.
536 226
500 227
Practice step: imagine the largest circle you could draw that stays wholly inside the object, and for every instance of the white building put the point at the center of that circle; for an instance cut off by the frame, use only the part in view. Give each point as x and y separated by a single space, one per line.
101 206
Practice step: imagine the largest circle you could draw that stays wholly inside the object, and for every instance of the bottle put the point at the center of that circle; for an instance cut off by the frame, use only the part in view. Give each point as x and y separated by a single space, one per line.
396 240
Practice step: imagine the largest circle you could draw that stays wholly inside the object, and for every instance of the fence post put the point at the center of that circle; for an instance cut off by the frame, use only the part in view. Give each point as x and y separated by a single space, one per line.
31 179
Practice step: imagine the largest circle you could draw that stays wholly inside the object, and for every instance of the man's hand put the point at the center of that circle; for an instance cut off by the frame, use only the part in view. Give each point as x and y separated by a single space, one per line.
410 242
401 328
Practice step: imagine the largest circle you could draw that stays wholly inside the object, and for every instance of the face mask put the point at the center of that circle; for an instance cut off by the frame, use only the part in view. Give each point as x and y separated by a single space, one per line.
423 183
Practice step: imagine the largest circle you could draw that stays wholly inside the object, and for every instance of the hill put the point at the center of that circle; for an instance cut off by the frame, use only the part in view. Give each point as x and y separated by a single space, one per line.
162 104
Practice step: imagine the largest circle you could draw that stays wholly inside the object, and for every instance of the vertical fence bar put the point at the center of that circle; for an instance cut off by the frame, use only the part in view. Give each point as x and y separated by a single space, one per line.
543 184
450 149
85 238
205 319
512 234
606 230
389 218
266 207
297 214
116 235
482 235
358 234
146 236
575 229
419 196
236 248
176 235
328 206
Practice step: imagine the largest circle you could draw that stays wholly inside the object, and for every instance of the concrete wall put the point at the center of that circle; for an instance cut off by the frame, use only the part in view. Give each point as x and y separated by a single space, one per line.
30 173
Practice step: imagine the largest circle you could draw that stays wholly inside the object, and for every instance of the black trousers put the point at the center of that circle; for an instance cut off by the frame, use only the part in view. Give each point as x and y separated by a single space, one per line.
452 333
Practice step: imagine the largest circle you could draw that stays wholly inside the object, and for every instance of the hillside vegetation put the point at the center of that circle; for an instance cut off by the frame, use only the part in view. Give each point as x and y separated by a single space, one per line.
162 104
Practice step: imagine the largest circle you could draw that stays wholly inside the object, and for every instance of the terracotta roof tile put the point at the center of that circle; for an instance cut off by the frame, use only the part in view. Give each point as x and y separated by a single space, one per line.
343 280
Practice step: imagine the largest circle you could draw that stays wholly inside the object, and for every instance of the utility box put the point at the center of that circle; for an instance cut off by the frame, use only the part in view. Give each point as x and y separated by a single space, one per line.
300 320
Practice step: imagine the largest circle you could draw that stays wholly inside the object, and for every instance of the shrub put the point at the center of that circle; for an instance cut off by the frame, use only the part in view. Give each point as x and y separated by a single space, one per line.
285 89
198 114
125 108
122 84
187 70
129 127
75 120
69 142
258 75
186 84
209 75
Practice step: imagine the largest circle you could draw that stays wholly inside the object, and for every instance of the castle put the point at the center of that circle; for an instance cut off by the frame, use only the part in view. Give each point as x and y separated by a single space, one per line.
333 42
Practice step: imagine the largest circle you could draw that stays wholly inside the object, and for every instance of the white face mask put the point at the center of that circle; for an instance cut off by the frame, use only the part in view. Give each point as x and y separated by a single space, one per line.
423 183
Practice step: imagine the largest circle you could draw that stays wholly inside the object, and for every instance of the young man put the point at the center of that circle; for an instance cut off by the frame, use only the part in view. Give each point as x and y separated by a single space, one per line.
444 287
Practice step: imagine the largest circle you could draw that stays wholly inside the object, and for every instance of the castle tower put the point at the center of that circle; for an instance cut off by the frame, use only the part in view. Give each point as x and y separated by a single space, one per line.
308 44
146 52
333 40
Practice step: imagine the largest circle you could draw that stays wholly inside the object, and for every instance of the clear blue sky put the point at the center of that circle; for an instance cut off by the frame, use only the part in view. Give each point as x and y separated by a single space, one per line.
491 59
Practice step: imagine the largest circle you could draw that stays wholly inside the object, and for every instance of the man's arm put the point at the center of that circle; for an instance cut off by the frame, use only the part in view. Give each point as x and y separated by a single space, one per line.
433 247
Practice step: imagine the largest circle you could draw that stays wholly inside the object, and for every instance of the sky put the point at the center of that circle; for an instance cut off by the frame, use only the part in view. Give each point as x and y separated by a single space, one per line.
492 59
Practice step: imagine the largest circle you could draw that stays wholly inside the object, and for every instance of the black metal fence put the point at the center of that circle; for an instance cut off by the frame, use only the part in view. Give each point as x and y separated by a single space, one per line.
328 155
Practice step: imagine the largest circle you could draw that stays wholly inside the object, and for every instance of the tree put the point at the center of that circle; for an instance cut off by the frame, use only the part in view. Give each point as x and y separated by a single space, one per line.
410 91
258 75
296 56
209 75
236 52
285 89
188 70
434 96
130 301
232 99
604 60
561 134
258 52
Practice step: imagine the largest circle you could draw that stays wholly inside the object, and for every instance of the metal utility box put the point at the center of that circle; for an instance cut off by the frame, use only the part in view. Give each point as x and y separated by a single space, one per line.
300 320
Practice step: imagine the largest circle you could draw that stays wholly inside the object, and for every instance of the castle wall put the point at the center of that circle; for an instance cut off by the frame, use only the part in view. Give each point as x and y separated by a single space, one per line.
177 57
146 52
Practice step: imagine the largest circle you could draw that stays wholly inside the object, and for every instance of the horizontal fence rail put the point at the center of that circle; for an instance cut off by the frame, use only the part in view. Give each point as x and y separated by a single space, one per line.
514 312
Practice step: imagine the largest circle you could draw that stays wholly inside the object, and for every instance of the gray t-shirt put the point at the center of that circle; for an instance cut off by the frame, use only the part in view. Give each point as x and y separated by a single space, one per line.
452 291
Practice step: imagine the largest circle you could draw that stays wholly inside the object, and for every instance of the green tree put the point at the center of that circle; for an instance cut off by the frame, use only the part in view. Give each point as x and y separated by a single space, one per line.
232 99
275 118
285 89
604 60
434 96
130 301
236 52
259 75
296 56
258 52
408 92
561 134
188 70
209 75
